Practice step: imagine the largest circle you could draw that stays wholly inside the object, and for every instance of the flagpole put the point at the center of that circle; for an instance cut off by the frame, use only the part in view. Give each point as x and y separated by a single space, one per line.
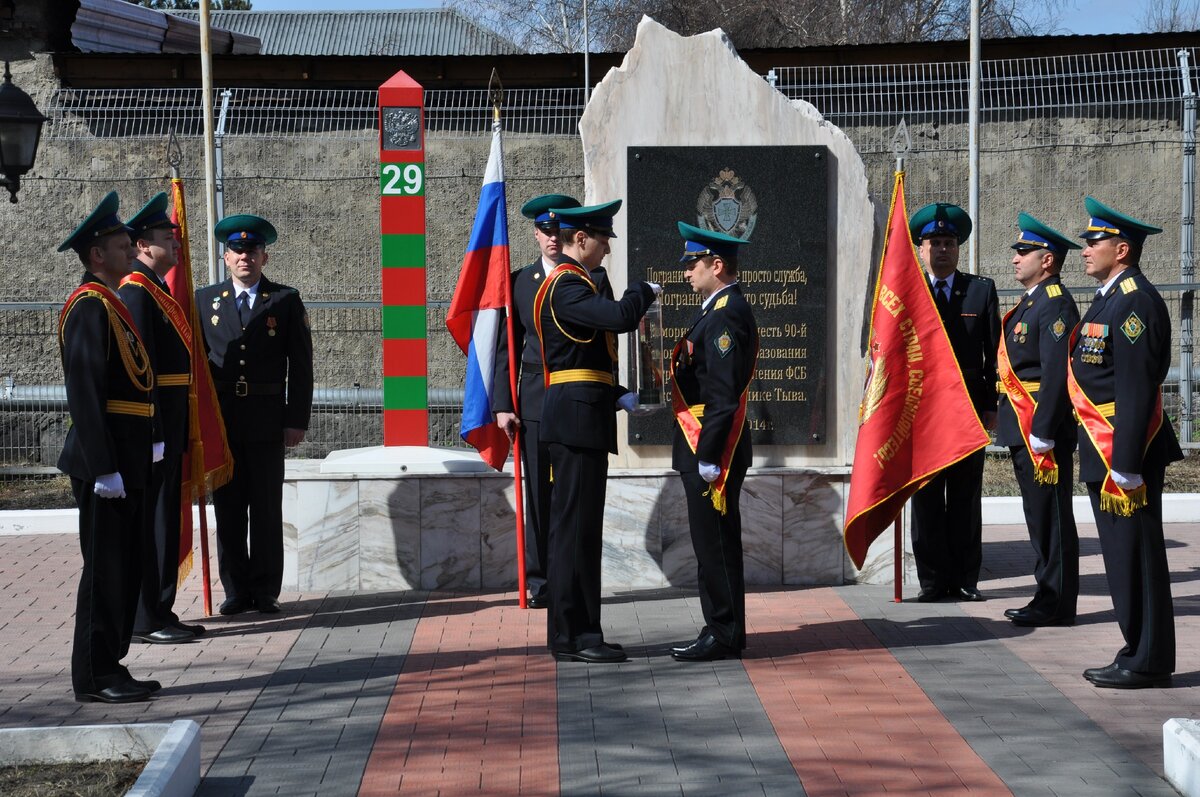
901 144
496 91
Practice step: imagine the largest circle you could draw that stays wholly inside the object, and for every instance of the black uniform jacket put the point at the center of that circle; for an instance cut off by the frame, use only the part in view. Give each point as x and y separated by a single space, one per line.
101 442
714 370
1122 353
575 317
168 356
525 284
275 350
972 323
1037 335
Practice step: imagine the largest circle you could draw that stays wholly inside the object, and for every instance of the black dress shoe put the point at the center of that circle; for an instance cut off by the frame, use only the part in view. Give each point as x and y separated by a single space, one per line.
128 692
1120 678
930 595
235 606
1036 618
195 629
968 594
267 605
149 684
706 648
600 654
1092 672
1011 613
164 636
537 602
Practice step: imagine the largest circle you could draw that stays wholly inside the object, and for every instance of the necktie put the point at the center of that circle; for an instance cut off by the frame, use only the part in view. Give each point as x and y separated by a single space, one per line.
244 308
941 292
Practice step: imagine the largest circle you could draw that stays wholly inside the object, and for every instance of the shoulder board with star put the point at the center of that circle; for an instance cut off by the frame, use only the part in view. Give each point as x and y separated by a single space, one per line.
724 300
1128 285
1053 291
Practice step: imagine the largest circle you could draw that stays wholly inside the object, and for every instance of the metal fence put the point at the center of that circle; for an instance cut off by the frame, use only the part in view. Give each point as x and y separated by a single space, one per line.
1052 130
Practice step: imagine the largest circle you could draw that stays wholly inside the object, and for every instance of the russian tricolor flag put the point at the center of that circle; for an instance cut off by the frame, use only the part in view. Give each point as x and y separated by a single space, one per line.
476 317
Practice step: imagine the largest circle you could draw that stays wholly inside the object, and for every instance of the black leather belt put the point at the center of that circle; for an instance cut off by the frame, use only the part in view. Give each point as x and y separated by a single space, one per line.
241 389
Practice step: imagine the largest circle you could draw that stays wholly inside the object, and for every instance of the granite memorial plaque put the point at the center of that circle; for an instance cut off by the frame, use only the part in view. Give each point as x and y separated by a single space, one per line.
776 196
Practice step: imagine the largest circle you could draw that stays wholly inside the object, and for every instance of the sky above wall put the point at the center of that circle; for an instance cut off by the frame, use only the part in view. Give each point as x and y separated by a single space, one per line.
1078 16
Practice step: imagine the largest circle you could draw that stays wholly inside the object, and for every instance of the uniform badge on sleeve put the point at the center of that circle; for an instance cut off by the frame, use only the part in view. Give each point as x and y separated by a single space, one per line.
1058 328
724 343
1133 327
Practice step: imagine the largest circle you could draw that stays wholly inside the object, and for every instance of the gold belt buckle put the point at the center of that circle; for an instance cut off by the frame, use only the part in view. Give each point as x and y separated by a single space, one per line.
241 388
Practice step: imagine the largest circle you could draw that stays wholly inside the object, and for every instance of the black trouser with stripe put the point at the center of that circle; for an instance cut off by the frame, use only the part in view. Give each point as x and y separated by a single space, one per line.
160 547
1135 562
947 532
536 461
1051 523
576 524
109 538
252 501
717 541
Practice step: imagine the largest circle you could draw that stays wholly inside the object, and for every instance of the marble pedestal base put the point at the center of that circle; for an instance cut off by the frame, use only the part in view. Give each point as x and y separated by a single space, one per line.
373 531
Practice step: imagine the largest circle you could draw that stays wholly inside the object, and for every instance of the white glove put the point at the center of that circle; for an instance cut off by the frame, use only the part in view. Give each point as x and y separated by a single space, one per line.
110 485
1128 481
654 286
1039 445
709 472
158 451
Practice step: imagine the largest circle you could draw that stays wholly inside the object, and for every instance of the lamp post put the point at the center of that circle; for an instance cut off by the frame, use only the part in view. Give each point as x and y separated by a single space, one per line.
20 130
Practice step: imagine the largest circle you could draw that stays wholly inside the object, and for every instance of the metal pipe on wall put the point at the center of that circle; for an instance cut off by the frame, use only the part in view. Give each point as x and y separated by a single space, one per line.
206 89
1187 233
973 141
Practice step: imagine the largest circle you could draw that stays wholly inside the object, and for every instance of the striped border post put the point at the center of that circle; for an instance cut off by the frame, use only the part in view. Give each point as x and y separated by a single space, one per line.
402 227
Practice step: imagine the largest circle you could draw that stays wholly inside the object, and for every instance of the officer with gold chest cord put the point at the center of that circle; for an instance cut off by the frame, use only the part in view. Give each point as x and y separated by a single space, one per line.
1035 420
712 367
1120 354
576 325
168 337
260 350
108 453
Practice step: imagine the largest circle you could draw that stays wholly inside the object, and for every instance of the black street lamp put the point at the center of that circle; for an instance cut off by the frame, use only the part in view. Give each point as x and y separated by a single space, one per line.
20 130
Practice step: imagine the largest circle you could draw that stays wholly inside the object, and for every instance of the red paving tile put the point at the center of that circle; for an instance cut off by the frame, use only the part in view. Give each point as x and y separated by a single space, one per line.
861 712
474 709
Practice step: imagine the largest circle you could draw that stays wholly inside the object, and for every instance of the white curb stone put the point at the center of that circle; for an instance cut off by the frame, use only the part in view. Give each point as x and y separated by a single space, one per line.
173 750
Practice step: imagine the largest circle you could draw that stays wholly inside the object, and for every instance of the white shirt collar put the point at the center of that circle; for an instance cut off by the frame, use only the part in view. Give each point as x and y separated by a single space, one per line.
708 301
547 265
1104 290
252 290
949 280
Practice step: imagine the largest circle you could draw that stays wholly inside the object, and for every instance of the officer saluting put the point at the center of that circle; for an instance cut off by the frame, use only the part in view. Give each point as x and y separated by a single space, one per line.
575 324
260 349
711 370
1120 354
107 454
1035 419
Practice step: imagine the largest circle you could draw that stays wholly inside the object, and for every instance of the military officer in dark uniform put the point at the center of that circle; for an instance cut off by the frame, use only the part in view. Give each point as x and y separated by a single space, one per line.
527 411
712 367
947 512
260 350
576 326
1035 419
1120 355
108 455
167 336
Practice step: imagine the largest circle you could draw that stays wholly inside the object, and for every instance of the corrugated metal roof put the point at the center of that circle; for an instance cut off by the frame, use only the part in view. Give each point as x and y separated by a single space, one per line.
430 31
115 26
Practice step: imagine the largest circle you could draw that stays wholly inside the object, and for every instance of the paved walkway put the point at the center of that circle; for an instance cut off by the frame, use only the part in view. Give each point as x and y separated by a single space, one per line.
842 692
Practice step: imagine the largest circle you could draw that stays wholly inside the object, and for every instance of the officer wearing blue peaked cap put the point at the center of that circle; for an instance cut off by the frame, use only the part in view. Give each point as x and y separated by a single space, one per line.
593 218
245 228
1107 223
940 218
100 222
538 208
698 243
1036 235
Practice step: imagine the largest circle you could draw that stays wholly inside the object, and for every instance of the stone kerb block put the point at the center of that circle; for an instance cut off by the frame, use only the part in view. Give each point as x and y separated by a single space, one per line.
695 91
